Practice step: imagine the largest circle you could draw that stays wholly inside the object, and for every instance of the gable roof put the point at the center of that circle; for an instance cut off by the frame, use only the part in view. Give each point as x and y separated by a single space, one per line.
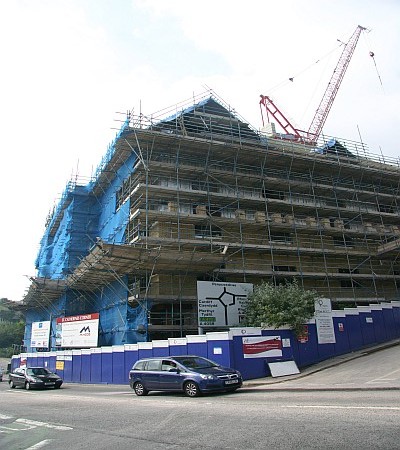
208 119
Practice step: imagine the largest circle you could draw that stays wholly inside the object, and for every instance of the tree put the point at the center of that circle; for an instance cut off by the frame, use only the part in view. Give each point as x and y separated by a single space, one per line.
11 333
276 306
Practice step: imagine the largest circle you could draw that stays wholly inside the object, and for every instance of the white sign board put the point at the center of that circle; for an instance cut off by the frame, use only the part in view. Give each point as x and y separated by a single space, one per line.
262 346
283 368
40 334
324 321
221 304
77 331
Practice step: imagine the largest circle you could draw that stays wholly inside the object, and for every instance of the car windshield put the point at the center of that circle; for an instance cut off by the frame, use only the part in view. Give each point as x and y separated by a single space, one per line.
38 371
196 362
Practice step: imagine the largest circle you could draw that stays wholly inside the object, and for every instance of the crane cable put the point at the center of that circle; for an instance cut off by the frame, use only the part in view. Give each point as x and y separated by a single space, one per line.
291 79
372 55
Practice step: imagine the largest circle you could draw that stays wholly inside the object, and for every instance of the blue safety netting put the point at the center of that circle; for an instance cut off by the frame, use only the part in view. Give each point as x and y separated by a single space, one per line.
83 216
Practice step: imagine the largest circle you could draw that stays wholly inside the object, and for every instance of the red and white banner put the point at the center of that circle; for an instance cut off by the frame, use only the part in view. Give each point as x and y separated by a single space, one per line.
262 346
77 331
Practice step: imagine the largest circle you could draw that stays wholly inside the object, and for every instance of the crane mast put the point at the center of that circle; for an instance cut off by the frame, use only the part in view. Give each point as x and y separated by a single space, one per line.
324 107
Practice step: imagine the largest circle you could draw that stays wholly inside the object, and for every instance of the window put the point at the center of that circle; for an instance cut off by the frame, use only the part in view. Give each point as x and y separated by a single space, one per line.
124 191
213 210
167 365
204 231
139 365
343 270
284 238
284 268
385 208
350 284
343 241
397 272
153 364
269 193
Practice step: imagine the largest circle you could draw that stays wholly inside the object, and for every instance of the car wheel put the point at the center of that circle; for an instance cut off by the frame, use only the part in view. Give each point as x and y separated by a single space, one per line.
28 386
12 385
57 386
191 389
140 389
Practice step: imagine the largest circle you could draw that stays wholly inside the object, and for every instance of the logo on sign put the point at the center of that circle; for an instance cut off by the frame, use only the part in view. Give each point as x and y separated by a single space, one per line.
85 331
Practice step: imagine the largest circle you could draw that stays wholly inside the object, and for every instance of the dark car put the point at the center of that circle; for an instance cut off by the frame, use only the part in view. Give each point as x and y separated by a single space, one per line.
34 377
192 375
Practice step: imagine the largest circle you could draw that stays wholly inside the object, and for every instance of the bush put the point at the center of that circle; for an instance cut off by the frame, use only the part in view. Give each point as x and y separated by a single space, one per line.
277 306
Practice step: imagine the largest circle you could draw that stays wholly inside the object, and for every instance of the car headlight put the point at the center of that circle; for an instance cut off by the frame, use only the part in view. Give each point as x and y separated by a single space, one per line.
238 374
207 377
36 380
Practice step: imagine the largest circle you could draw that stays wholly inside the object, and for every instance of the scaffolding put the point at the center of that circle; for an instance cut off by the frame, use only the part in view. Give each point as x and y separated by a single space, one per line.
198 194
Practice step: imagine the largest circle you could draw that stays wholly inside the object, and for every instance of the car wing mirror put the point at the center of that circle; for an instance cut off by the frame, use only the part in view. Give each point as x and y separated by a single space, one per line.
174 369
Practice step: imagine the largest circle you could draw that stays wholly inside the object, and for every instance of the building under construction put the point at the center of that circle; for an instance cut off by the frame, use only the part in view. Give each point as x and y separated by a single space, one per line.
198 194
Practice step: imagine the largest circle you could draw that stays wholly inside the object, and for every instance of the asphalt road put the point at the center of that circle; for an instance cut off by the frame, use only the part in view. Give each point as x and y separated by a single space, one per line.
256 417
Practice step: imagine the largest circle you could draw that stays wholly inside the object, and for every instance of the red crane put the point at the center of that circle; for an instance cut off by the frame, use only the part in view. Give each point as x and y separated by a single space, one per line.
325 105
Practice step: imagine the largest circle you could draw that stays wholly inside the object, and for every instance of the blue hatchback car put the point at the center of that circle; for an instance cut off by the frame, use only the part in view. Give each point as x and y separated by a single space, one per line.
190 374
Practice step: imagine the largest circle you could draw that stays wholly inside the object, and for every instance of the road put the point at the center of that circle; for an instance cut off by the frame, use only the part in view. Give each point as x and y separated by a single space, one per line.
112 417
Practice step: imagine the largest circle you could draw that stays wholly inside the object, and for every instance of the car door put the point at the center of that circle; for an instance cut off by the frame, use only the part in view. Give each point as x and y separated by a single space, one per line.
18 377
170 377
151 373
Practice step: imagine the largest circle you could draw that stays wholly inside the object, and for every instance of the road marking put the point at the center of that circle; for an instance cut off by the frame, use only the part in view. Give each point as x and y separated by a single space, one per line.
385 377
389 408
39 444
33 424
44 424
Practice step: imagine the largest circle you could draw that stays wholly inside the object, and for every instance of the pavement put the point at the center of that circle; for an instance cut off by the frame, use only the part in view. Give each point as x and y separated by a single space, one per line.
304 381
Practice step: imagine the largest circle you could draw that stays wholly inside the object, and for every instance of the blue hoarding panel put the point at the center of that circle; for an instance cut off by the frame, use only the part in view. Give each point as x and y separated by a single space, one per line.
16 361
68 366
396 317
145 350
95 365
379 324
40 359
177 346
252 352
76 365
52 361
340 326
389 322
367 326
161 348
119 375
219 348
106 365
326 351
31 360
60 363
251 367
85 365
131 356
307 346
197 345
353 326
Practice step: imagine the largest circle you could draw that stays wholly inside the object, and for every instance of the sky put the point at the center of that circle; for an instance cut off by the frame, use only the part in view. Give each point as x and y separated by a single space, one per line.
70 69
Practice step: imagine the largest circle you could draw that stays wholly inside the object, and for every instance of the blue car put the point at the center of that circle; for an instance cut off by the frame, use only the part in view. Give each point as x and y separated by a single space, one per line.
193 375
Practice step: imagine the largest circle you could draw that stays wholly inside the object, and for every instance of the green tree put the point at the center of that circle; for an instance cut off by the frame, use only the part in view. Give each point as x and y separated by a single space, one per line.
283 305
11 333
